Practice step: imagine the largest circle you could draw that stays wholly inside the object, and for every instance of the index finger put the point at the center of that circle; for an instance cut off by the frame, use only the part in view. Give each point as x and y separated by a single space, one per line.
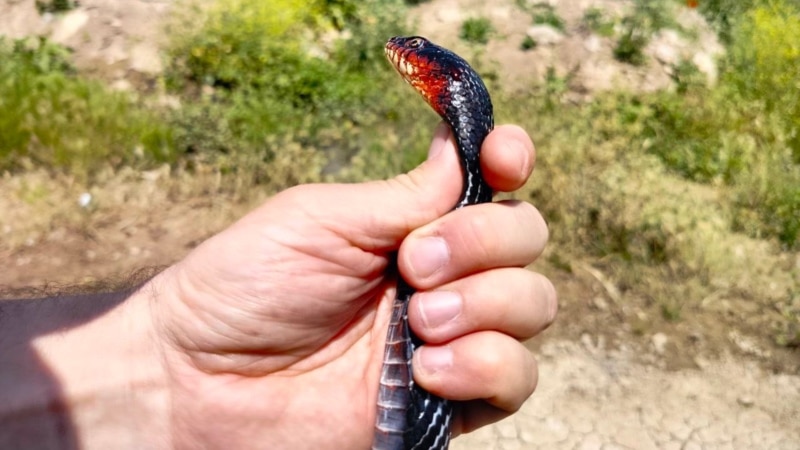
507 158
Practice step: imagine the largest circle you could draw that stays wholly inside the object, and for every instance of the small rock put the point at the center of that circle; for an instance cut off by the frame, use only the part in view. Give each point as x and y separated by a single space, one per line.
659 341
586 340
122 85
69 25
706 64
701 362
746 401
666 53
696 336
748 345
600 303
593 44
145 59
544 34
85 199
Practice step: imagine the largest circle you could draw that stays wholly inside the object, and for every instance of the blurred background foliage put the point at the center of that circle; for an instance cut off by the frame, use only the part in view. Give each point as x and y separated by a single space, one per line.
282 92
314 71
52 118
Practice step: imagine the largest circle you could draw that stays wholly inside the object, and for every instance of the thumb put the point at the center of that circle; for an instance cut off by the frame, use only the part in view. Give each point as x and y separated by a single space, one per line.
377 215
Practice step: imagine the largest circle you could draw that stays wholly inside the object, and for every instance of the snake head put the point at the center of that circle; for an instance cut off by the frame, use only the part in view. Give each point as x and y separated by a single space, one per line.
429 68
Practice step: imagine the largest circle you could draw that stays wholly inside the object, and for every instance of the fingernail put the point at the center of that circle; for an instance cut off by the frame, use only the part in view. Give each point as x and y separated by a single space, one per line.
552 303
428 255
434 359
438 308
525 166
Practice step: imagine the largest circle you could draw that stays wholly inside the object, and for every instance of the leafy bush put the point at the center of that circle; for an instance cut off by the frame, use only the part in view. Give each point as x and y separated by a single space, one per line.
595 21
476 30
51 118
647 17
281 68
764 61
630 46
744 133
55 5
547 16
528 43
725 14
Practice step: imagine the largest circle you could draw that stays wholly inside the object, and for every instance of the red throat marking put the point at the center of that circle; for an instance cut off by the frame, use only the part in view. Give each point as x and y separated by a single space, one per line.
424 75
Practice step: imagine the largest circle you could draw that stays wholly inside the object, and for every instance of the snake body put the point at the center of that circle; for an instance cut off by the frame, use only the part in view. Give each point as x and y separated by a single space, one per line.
408 416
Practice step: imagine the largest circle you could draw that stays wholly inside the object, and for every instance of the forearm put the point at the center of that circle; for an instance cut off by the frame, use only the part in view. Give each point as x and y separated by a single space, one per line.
81 372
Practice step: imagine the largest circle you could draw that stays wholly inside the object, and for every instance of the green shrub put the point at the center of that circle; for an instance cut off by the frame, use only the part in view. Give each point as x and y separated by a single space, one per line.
48 117
745 132
647 17
528 43
282 68
476 30
630 46
547 16
765 57
55 6
725 14
595 21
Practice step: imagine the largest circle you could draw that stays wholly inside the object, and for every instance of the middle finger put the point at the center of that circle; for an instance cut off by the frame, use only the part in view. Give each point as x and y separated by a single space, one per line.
470 240
524 304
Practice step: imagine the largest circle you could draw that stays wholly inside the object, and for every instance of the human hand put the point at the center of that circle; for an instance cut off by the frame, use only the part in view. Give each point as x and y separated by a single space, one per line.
273 331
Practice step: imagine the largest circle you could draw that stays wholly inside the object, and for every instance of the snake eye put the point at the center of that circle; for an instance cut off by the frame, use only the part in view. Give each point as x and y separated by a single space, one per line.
414 43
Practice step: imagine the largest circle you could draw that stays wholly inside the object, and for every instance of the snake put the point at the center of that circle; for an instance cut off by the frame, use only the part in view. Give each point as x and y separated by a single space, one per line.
409 417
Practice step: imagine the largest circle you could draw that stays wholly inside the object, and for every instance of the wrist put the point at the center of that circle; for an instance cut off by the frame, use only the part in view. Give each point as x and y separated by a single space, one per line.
90 376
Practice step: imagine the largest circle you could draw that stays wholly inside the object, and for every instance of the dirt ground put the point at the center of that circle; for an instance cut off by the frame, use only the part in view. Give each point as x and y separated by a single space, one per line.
612 376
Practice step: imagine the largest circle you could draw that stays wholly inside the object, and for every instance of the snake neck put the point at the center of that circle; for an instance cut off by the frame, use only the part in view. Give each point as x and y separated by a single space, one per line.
474 189
470 115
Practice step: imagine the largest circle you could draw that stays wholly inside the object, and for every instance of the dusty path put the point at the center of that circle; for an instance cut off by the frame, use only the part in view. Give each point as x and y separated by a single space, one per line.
590 399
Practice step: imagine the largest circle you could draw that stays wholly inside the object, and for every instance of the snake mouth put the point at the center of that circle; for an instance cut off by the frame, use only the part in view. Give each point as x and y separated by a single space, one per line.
408 57
400 62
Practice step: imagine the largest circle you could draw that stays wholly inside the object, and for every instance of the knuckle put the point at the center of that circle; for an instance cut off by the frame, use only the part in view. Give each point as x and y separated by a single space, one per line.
479 236
492 362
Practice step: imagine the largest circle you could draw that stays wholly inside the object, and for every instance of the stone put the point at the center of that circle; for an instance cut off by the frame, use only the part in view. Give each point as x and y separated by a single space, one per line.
544 34
659 341
593 44
707 65
69 25
746 401
145 59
